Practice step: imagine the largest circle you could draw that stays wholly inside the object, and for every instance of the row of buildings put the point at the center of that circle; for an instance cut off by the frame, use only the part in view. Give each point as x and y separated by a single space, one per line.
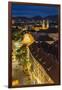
42 25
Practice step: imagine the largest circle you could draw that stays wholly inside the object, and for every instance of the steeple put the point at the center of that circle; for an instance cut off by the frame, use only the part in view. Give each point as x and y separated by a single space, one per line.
47 24
43 24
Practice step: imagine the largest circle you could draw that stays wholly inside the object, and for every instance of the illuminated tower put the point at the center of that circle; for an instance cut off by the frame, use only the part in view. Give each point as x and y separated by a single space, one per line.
47 26
43 24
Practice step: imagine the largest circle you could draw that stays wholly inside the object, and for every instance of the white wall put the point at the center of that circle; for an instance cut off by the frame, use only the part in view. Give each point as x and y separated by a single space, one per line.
4 44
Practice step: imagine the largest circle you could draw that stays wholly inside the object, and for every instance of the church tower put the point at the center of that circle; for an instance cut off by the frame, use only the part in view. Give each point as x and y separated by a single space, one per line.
47 26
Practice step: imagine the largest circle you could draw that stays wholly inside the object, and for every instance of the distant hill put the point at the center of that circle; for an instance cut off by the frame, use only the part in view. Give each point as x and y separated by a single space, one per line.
50 18
37 18
18 19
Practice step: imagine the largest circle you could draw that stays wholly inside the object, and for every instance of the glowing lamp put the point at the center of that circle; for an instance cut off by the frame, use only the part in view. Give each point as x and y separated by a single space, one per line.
28 39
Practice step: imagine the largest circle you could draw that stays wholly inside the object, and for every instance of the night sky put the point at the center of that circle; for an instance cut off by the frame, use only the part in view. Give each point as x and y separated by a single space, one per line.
31 10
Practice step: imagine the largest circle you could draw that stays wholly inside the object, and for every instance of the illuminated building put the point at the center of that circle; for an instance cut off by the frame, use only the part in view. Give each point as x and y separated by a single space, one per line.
43 26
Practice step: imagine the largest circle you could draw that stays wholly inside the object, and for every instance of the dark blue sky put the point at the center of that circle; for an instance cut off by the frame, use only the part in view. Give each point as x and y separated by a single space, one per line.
31 10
